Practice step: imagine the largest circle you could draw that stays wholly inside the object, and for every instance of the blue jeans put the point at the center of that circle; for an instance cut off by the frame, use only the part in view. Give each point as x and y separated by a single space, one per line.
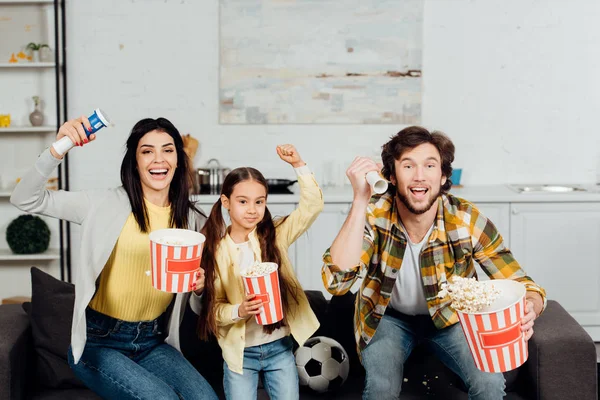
396 336
276 362
129 360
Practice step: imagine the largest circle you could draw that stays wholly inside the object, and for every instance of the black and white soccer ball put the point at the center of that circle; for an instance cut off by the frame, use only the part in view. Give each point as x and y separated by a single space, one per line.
322 364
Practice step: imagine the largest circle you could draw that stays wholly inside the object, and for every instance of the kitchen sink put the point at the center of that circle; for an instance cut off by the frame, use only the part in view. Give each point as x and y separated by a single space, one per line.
537 188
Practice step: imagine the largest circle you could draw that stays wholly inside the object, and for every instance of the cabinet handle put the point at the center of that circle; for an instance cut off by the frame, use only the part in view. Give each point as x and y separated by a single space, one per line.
515 211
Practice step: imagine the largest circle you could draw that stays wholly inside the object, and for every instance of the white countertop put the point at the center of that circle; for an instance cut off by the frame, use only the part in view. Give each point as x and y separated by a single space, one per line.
475 194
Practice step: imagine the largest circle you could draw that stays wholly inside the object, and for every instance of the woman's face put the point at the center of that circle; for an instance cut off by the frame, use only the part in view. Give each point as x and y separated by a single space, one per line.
156 162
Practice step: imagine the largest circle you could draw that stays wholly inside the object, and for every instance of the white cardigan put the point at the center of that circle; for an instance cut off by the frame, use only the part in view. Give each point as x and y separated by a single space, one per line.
102 215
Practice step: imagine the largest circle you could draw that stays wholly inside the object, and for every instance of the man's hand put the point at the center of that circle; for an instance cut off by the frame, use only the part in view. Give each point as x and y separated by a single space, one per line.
527 321
533 308
356 173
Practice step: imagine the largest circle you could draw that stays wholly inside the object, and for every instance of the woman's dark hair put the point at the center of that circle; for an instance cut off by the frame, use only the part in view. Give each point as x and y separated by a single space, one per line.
411 137
215 231
179 189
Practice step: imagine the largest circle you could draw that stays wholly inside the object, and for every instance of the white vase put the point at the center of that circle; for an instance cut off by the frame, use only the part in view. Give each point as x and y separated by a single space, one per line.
35 56
46 54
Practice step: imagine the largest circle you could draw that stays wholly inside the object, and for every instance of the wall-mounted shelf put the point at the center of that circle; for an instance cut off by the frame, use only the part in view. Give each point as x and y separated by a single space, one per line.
27 65
32 129
4 193
50 254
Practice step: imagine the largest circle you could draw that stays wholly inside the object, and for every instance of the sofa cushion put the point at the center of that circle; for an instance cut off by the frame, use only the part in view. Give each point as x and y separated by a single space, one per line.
50 314
339 325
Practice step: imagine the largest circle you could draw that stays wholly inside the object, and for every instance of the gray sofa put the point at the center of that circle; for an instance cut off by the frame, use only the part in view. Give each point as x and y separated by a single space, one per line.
561 365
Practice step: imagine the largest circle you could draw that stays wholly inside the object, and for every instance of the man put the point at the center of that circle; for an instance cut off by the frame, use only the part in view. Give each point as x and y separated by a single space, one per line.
415 237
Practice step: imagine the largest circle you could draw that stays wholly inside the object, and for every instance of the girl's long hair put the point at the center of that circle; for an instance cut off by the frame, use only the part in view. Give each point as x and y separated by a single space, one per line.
179 189
215 231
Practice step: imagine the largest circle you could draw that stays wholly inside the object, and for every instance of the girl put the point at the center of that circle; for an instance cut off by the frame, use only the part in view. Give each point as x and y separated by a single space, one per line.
120 323
249 348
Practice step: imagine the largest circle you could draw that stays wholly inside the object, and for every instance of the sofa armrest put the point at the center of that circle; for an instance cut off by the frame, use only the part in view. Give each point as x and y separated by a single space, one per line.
562 357
14 351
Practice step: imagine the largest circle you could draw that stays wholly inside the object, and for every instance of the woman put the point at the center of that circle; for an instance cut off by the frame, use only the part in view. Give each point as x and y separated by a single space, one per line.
124 336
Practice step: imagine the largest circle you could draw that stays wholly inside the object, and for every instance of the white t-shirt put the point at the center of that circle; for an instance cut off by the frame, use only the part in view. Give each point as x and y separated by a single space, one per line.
408 295
254 332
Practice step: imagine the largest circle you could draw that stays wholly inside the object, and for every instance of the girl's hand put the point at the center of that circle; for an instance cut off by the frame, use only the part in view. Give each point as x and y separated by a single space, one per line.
289 154
250 307
198 285
74 130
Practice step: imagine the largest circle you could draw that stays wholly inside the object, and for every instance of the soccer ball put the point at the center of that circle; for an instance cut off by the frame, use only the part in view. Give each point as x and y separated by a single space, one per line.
322 364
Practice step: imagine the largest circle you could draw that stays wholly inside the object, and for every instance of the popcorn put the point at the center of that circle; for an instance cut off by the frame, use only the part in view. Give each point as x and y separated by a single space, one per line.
260 269
171 242
468 294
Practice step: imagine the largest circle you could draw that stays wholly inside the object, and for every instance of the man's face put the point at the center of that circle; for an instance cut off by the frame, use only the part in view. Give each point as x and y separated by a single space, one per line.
419 177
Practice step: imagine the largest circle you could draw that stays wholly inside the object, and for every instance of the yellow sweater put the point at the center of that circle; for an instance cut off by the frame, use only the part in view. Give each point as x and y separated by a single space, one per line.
229 288
125 291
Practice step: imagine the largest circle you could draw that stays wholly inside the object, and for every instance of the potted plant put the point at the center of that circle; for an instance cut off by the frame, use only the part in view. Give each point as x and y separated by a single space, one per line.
35 50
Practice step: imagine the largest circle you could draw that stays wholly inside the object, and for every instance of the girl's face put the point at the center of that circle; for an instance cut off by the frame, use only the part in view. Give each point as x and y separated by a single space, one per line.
156 162
246 205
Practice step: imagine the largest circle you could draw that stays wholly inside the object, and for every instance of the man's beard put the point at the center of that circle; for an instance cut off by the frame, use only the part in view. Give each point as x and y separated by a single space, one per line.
410 207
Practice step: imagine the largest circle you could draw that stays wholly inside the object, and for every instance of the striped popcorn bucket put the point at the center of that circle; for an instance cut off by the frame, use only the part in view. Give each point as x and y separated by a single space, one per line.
175 256
266 288
494 334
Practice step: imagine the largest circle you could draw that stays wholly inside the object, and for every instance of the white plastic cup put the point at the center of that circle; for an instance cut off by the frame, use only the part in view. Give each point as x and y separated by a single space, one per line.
98 120
377 183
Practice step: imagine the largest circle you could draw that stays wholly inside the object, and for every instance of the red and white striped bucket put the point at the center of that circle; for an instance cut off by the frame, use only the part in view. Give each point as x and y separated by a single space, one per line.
266 288
175 256
494 334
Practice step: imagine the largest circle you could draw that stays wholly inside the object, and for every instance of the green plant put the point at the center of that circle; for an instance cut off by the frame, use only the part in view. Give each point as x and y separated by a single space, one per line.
36 100
36 46
28 234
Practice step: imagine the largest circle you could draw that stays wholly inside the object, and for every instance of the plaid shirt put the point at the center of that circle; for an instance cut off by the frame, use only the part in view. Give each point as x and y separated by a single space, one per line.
461 235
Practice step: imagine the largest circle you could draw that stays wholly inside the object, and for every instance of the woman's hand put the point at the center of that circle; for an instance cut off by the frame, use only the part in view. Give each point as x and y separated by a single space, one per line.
250 307
289 154
74 131
198 285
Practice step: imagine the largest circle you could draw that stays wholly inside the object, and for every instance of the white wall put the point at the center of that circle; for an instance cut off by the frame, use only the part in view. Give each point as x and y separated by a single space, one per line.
512 82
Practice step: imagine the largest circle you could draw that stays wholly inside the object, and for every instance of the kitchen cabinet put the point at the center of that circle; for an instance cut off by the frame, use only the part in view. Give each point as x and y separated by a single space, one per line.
21 142
558 246
312 245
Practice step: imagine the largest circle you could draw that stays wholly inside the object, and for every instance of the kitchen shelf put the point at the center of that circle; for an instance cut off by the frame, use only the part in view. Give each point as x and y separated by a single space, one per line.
50 254
17 2
27 65
4 193
31 129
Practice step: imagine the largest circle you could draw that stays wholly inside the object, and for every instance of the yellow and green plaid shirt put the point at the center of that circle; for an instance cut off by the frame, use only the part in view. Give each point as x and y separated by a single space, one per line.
461 235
